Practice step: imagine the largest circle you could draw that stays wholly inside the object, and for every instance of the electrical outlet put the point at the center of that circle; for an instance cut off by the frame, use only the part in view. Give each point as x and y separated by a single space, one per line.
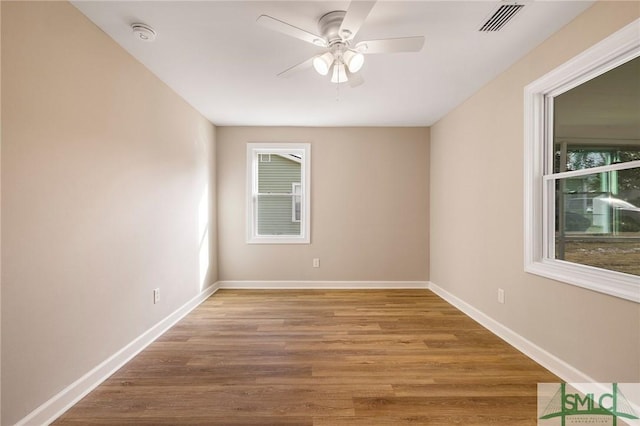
156 295
500 295
316 263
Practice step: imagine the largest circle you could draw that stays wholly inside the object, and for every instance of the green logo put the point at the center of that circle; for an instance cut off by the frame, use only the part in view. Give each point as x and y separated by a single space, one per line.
587 408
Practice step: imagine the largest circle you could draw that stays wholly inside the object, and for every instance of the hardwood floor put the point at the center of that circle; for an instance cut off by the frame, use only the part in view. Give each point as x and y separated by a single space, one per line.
371 357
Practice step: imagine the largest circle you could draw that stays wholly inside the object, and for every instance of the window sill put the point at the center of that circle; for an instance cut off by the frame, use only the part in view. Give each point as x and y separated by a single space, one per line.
278 240
613 283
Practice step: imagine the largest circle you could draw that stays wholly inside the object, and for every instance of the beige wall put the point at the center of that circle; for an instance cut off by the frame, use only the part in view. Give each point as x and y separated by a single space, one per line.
0 215
104 170
477 217
369 206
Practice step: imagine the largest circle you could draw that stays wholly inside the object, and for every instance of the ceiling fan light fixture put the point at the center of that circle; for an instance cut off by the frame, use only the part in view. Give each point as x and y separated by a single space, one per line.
322 63
353 60
339 73
342 58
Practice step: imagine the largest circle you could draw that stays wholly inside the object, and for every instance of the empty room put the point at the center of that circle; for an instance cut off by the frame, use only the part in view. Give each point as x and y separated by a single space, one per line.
320 213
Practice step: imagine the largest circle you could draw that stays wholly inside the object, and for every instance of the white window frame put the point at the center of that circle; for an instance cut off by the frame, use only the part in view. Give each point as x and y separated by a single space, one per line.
293 202
539 208
254 151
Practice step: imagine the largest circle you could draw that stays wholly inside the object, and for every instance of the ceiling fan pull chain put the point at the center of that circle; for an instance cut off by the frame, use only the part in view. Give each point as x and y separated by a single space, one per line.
338 87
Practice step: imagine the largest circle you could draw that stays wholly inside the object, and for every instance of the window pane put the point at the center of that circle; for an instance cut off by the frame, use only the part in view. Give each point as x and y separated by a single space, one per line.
598 220
274 215
279 173
279 193
598 122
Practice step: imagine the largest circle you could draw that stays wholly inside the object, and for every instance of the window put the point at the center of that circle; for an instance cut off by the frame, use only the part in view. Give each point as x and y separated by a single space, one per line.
582 169
278 182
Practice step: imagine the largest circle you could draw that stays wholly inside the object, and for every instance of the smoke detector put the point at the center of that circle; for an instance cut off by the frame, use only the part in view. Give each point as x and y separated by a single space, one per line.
143 32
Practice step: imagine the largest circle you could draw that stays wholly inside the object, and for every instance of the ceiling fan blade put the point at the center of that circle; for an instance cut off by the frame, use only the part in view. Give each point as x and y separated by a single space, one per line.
391 45
353 20
299 67
355 79
288 29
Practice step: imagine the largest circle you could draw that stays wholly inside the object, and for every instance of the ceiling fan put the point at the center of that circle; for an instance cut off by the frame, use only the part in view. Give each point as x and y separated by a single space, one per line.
343 57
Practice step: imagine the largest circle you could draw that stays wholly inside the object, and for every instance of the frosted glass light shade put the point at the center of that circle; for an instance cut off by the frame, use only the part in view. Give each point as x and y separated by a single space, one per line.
354 60
322 63
339 73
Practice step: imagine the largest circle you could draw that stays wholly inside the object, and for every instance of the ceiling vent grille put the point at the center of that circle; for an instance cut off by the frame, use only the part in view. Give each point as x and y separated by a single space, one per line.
501 17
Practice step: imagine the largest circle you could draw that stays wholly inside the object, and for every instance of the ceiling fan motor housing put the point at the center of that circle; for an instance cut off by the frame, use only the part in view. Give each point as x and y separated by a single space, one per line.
329 26
339 55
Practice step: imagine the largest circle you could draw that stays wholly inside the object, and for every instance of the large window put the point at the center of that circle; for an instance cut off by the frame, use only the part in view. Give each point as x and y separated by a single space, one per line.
582 161
278 182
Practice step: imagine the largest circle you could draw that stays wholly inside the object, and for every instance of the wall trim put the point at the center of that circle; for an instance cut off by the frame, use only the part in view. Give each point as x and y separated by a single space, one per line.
557 366
65 399
321 285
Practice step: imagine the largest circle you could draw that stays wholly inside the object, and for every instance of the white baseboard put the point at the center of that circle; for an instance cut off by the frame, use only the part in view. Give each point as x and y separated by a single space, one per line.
57 405
65 399
549 361
322 285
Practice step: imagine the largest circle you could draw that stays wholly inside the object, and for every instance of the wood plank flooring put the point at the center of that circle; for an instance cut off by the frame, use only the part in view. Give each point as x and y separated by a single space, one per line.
320 358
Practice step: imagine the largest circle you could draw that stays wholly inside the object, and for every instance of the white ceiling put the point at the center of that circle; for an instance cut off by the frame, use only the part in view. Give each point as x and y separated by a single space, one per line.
215 55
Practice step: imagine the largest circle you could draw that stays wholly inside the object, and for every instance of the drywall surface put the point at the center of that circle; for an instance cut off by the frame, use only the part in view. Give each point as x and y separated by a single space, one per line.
107 189
0 215
369 206
477 217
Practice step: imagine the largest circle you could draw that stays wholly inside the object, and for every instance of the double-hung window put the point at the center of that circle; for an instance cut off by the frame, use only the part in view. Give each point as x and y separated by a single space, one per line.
582 169
278 197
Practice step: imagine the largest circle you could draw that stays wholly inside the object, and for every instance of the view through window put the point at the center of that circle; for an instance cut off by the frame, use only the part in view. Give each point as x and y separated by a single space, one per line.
595 171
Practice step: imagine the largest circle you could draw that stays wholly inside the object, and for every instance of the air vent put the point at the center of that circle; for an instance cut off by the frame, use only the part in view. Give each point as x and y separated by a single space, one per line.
501 17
